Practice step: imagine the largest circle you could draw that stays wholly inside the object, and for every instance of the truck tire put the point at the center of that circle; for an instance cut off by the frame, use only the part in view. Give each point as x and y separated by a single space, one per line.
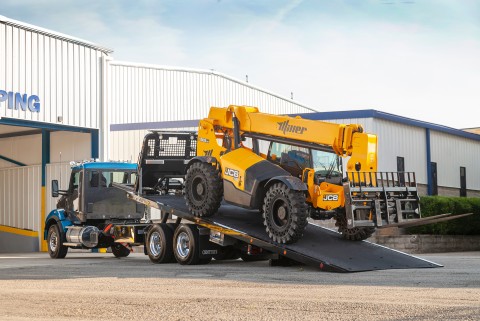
159 244
203 189
119 250
186 244
352 234
284 214
56 249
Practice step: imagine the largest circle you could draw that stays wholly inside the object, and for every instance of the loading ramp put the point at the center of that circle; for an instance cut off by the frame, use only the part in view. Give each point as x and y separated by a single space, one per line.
319 247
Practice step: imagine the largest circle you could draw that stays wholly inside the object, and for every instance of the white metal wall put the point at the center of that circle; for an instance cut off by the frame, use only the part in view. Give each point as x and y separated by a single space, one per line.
395 139
60 172
452 152
144 93
24 149
69 146
409 142
64 73
20 193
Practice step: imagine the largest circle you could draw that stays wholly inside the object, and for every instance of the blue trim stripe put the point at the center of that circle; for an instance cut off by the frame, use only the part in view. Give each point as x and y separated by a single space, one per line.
107 165
12 161
94 144
155 125
45 153
371 113
47 126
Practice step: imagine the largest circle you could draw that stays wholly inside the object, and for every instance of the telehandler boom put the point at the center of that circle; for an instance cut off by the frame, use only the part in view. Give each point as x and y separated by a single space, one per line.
290 169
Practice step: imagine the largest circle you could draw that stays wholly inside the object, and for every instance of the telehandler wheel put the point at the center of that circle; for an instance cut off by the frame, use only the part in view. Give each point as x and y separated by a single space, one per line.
284 214
186 245
119 250
203 189
159 244
352 234
56 249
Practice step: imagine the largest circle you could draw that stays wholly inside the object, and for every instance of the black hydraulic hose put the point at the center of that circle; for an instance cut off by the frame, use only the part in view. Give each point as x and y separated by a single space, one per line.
236 132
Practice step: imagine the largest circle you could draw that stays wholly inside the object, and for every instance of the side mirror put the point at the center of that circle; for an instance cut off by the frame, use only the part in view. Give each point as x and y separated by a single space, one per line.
55 188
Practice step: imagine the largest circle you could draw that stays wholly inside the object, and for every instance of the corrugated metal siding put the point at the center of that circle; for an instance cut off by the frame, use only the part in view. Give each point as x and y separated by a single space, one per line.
24 149
139 94
64 74
60 172
394 140
452 152
20 193
145 94
401 140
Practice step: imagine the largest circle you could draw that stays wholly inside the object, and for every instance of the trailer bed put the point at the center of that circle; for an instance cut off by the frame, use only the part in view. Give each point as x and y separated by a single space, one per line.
319 247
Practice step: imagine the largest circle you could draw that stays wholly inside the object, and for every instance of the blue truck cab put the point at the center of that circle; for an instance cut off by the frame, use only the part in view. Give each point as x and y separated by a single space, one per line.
90 206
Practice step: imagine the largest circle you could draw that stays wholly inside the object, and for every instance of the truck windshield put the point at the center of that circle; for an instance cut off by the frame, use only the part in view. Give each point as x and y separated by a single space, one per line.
106 178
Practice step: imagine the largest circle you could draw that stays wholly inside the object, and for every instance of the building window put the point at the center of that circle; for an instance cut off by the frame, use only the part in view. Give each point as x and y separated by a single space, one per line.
434 178
463 182
401 170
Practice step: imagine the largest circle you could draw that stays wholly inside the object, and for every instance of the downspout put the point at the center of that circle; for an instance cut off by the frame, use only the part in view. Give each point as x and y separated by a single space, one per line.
429 163
104 132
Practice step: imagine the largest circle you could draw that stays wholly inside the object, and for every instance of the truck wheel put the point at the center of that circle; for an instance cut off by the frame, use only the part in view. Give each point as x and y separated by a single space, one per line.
56 249
352 234
159 244
119 250
203 189
185 244
284 214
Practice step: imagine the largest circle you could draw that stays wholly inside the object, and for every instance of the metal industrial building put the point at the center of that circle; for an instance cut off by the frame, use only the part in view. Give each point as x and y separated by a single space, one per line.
64 99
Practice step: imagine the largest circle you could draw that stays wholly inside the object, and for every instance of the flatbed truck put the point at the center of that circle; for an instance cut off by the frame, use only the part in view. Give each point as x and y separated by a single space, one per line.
156 182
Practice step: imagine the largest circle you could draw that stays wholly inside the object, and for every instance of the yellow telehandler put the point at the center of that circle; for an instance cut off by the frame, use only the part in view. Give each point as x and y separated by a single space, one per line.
290 169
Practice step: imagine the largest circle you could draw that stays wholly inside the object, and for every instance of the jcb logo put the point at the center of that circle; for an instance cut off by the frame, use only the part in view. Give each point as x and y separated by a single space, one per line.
231 172
330 197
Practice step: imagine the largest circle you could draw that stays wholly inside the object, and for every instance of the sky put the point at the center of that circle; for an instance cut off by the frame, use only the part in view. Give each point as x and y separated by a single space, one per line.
414 58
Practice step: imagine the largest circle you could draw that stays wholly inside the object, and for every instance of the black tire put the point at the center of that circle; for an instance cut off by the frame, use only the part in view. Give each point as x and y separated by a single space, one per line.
227 253
284 214
203 189
55 241
159 244
352 234
119 250
186 244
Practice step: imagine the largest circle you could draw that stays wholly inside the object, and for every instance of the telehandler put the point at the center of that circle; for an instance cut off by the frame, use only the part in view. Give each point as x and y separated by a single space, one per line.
291 169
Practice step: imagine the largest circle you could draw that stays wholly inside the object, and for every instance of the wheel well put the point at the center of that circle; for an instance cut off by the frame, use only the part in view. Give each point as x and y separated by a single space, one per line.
50 222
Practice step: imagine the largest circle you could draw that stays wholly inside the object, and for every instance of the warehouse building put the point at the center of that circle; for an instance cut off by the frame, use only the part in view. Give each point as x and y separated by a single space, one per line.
64 99
445 160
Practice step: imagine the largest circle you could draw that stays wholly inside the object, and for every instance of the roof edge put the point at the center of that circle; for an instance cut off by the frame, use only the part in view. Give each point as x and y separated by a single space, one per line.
53 34
206 72
372 113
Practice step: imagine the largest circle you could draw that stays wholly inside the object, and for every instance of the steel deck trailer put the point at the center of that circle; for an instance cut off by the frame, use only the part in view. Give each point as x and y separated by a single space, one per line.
320 247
